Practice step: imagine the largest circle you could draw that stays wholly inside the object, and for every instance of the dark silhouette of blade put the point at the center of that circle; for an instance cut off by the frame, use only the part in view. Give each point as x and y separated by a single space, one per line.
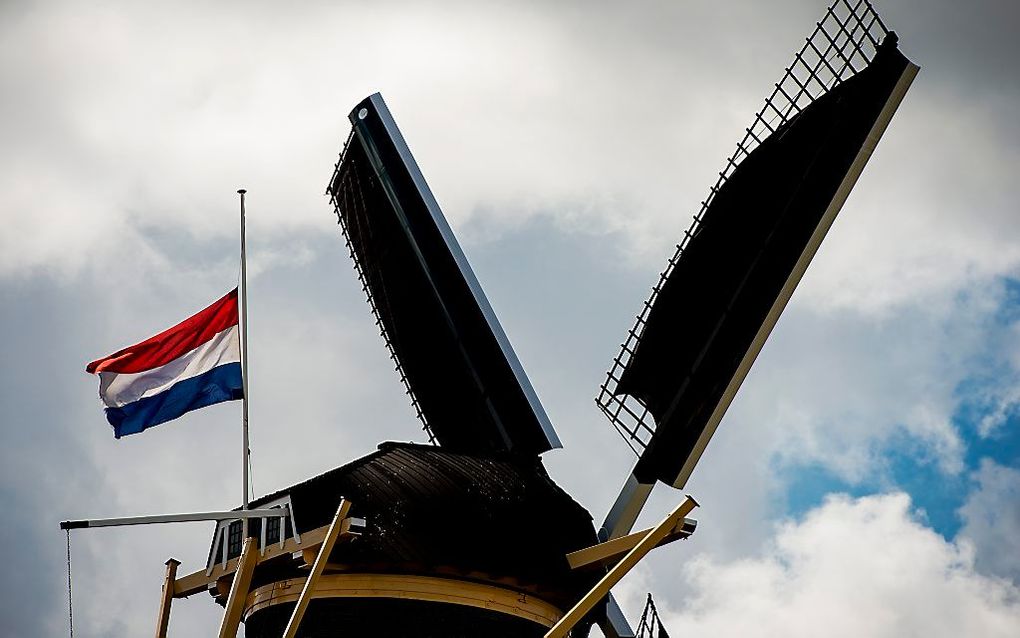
462 374
715 308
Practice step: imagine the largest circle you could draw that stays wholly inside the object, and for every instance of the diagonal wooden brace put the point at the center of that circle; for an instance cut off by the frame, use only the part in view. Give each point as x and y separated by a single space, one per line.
608 553
317 567
618 571
239 589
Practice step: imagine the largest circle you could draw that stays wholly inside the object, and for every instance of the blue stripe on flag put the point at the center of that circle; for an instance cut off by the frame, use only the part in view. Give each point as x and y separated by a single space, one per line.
222 383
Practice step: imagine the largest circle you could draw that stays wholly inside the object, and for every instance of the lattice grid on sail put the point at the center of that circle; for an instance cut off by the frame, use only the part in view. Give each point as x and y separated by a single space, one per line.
844 41
650 625
351 198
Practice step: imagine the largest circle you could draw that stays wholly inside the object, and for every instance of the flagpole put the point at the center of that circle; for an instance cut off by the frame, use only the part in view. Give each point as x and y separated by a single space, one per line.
244 370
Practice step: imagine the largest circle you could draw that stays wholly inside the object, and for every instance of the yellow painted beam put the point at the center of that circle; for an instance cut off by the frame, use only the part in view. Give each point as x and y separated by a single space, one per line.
198 581
317 567
311 550
611 550
163 619
239 589
601 589
448 590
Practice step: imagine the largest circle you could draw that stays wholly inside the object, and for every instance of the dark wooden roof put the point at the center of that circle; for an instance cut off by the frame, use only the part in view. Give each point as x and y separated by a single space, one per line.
433 511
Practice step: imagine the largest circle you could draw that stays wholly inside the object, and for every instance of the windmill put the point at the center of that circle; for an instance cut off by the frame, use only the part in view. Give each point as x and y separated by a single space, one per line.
441 538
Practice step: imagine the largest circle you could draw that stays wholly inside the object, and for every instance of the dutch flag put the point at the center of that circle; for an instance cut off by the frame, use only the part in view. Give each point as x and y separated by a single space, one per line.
194 364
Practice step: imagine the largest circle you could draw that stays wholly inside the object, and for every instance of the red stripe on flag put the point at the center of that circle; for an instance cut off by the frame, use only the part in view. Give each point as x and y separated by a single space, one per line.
172 342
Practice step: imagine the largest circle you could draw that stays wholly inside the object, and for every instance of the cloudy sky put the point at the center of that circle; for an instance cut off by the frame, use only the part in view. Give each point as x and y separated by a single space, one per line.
866 481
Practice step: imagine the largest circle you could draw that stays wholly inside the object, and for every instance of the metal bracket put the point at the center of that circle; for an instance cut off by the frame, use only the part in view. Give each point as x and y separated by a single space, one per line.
615 624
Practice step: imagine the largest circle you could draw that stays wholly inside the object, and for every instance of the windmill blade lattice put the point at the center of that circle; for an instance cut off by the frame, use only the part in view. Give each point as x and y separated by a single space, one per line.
834 68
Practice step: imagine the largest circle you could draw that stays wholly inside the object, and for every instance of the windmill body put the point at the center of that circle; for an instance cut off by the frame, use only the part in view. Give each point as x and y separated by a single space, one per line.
466 545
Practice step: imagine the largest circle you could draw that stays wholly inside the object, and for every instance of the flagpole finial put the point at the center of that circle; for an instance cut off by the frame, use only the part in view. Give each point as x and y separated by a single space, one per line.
241 191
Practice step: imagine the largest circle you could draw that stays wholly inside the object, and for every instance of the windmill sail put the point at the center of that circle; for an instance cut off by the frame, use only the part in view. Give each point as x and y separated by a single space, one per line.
650 625
464 379
749 246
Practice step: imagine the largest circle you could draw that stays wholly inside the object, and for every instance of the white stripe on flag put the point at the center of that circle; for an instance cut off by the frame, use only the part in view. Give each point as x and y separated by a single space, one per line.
119 389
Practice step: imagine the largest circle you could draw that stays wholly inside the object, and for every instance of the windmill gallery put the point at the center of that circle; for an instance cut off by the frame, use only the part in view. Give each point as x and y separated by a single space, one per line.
423 538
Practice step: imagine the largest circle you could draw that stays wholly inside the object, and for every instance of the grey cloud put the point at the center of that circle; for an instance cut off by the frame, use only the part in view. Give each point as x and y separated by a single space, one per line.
568 144
992 520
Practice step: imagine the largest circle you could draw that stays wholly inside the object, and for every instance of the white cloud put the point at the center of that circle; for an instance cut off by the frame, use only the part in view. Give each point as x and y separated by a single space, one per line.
991 517
128 129
610 121
1005 403
836 390
861 567
1001 397
921 225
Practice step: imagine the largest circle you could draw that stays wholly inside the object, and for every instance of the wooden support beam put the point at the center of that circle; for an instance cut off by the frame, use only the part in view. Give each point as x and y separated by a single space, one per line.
446 590
163 619
612 550
239 589
350 528
198 582
320 563
613 576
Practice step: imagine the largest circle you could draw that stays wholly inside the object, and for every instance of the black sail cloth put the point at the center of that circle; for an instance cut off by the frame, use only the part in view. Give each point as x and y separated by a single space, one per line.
728 286
451 352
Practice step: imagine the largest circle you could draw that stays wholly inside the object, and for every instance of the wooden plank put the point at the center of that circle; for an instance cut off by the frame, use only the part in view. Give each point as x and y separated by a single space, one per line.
347 532
612 550
320 563
167 597
239 590
447 590
618 571
199 582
